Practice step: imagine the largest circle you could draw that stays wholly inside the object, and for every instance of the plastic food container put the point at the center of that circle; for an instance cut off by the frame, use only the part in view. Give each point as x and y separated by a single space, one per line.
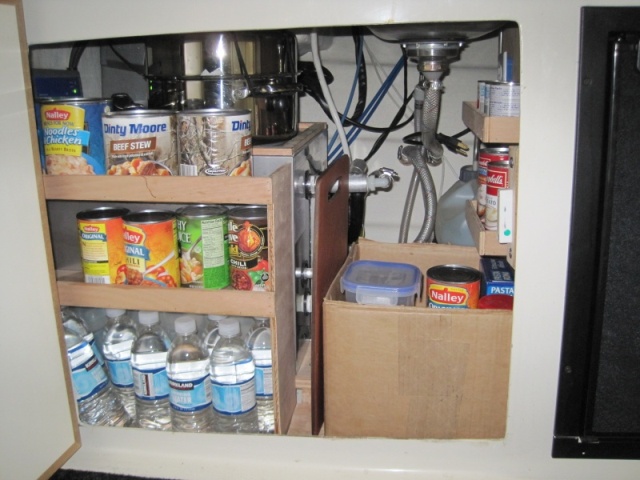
372 282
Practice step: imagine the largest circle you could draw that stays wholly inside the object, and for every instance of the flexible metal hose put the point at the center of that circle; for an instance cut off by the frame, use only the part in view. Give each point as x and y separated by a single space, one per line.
433 150
415 155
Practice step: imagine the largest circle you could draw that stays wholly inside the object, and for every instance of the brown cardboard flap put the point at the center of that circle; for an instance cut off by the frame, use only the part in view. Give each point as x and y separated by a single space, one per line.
414 372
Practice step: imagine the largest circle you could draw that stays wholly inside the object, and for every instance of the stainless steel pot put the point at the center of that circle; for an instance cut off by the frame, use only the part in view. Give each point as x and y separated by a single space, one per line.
249 70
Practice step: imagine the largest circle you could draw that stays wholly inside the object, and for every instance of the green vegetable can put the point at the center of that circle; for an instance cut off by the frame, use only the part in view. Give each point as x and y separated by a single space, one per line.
203 237
249 248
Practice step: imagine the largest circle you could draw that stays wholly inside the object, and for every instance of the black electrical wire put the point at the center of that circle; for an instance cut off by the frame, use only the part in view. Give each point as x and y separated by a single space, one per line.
395 123
74 57
361 104
131 66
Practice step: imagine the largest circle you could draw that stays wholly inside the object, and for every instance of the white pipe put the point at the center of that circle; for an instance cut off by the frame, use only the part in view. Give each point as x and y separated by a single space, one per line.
327 95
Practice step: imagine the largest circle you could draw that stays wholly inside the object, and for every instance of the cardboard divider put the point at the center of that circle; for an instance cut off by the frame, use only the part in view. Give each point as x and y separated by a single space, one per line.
414 372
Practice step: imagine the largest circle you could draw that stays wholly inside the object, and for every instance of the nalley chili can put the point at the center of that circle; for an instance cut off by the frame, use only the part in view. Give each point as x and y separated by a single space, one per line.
203 238
151 248
249 248
453 286
101 237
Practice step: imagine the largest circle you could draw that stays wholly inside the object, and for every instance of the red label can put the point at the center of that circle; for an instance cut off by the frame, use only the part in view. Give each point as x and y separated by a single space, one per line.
249 249
453 286
486 155
498 178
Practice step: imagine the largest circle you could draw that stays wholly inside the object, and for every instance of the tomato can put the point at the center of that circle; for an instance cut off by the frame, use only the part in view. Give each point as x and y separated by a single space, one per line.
453 286
498 178
214 142
203 238
70 132
140 142
100 233
486 155
249 248
151 248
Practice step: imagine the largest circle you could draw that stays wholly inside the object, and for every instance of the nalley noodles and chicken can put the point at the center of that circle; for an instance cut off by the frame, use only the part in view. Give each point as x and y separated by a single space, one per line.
101 237
453 286
151 248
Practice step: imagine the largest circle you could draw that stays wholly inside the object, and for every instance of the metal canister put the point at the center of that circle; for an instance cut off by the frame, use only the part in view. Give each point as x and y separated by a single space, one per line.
140 142
214 142
203 238
498 178
100 233
503 99
71 135
151 248
486 155
453 286
249 248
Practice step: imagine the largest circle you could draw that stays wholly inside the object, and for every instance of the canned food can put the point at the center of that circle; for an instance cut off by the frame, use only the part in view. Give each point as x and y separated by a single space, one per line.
503 99
203 238
498 178
249 248
214 142
100 233
482 96
453 286
71 135
151 248
486 155
140 142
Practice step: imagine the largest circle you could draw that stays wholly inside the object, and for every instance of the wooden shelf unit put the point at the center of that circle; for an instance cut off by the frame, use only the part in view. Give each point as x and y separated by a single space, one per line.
275 192
490 129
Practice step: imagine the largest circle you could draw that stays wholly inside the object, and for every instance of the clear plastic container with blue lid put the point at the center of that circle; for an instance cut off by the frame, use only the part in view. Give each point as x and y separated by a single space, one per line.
371 282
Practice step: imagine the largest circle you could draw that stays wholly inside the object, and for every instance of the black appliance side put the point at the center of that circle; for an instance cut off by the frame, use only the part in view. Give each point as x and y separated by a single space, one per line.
598 403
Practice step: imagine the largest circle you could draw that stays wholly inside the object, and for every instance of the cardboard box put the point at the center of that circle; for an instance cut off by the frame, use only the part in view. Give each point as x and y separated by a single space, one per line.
414 372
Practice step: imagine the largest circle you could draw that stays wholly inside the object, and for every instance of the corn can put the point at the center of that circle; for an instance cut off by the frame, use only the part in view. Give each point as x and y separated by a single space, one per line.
203 238
101 237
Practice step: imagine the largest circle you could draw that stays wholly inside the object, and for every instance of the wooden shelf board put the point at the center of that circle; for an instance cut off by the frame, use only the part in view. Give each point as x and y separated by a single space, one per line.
490 129
192 300
151 189
486 240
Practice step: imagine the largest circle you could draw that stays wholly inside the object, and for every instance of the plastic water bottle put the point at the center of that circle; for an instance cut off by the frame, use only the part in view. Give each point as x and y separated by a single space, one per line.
247 325
451 221
96 320
97 402
77 325
148 362
233 381
117 352
189 385
259 345
210 334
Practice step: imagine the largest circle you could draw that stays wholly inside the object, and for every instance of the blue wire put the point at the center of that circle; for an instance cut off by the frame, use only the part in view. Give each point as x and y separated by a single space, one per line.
351 94
371 108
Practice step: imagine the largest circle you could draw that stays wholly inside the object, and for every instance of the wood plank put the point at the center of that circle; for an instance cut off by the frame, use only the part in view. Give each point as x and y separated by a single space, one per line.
150 189
192 300
307 131
490 129
486 240
281 257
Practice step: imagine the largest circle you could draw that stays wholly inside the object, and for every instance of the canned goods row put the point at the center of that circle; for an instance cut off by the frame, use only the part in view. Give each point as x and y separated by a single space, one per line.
499 99
461 286
84 137
196 246
372 282
494 173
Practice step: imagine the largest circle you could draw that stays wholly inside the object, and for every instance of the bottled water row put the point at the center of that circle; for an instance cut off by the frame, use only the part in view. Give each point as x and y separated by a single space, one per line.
128 373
